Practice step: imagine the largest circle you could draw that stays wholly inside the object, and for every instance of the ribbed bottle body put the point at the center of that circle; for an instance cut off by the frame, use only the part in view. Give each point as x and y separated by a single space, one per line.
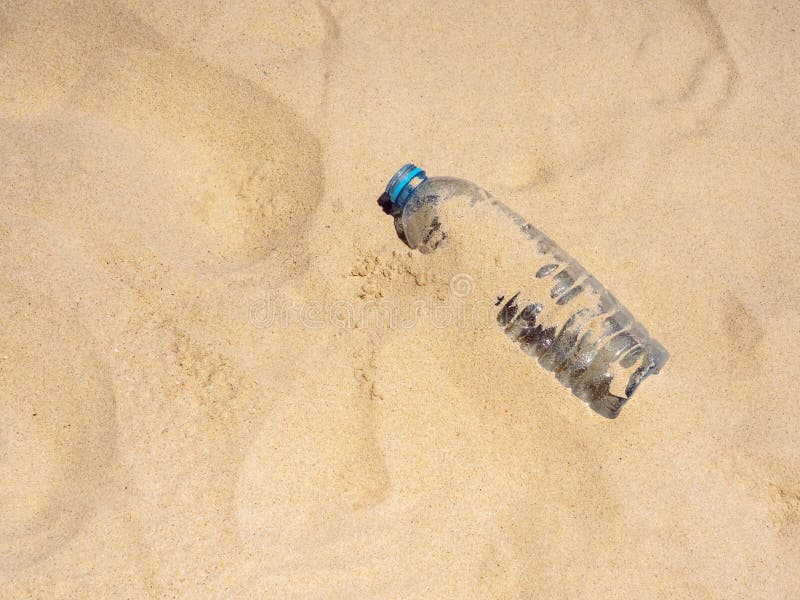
547 302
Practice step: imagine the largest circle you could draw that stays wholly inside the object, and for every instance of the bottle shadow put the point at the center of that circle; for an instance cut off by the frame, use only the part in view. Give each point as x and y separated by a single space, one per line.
395 212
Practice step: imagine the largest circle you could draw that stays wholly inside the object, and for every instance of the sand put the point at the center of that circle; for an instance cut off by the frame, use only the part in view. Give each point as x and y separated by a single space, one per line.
223 374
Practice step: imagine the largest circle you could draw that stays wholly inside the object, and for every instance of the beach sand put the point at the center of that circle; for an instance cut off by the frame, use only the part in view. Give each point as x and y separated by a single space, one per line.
205 392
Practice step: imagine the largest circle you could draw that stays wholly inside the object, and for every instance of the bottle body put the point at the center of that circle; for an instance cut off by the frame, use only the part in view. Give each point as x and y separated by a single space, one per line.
546 301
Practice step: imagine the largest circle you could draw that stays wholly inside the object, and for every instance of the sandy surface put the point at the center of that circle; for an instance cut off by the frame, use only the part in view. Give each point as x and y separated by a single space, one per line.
195 399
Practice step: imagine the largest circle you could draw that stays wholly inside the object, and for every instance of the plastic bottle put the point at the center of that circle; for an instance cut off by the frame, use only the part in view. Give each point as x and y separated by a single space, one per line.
554 309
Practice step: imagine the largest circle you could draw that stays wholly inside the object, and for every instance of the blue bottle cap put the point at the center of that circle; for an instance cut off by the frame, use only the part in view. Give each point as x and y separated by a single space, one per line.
403 184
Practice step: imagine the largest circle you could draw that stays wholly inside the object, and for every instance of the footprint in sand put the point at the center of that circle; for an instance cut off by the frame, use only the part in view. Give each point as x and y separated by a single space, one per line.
206 169
683 69
316 462
573 85
57 428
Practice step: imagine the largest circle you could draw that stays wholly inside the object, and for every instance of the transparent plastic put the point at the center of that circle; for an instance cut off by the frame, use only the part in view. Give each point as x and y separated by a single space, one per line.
561 315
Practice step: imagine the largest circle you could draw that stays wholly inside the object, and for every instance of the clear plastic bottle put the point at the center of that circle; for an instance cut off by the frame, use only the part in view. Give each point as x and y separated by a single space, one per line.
554 310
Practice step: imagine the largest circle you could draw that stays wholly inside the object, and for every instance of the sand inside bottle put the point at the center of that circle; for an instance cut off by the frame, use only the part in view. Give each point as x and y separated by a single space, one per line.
544 300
